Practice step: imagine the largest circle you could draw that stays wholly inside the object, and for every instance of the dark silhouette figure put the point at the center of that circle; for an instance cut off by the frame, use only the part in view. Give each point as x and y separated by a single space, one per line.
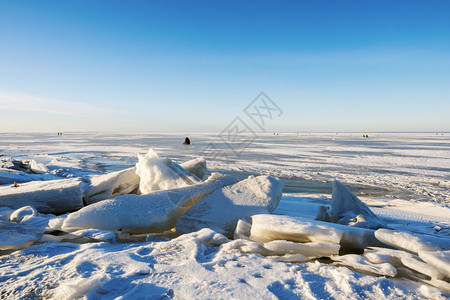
187 141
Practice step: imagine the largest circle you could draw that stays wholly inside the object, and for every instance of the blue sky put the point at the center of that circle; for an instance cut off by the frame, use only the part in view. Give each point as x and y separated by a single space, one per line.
195 65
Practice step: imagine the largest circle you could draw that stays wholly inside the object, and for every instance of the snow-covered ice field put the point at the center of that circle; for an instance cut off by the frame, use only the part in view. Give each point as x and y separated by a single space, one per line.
403 177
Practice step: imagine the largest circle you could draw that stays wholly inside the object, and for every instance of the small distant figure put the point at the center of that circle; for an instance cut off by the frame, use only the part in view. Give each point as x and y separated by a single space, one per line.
187 141
16 184
365 136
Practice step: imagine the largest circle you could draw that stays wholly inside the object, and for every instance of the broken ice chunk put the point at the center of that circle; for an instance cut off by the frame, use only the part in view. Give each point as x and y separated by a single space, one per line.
266 228
110 185
361 264
292 258
37 168
53 196
379 255
242 231
347 209
222 209
245 246
306 249
161 174
438 259
196 166
412 242
440 284
153 212
16 236
22 214
421 267
96 234
25 227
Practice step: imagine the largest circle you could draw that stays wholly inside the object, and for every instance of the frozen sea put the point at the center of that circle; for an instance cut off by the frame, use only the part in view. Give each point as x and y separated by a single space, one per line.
403 177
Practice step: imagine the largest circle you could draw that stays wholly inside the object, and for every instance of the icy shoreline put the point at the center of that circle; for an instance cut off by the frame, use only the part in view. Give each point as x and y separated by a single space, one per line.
204 263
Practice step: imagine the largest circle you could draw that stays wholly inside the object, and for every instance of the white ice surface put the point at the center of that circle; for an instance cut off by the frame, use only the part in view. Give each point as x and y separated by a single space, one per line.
222 209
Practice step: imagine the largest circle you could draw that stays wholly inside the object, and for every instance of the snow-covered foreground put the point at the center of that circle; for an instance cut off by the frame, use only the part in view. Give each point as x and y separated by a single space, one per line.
404 178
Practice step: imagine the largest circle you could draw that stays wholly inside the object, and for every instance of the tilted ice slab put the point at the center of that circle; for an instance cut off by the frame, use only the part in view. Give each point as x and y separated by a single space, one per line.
347 209
266 228
412 242
154 212
222 209
110 185
196 166
54 196
161 174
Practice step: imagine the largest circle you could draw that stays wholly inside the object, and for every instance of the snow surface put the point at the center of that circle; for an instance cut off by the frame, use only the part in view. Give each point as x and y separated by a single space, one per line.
403 178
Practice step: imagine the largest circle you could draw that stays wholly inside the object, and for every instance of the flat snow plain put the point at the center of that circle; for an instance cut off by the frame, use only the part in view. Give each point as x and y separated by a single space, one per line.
403 177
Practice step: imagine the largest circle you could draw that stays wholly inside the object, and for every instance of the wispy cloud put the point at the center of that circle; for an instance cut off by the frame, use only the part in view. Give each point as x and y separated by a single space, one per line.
17 101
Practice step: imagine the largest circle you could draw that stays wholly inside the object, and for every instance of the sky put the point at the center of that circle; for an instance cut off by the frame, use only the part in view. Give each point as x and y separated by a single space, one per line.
196 65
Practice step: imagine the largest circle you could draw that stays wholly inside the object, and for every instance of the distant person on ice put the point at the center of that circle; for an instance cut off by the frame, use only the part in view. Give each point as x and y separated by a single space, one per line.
187 141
